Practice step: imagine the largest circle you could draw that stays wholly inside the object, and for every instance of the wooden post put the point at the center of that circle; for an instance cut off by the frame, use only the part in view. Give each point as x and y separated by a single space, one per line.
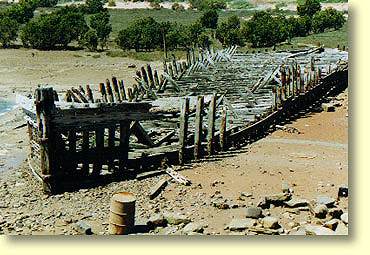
211 125
116 89
85 147
274 101
45 106
198 127
109 91
90 96
103 92
184 118
156 79
99 141
129 94
124 143
150 75
72 138
122 90
111 144
170 70
144 75
223 138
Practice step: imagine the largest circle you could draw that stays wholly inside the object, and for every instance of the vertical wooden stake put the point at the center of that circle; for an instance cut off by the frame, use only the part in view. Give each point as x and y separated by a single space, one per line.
116 89
99 141
124 143
184 118
103 92
122 90
198 127
85 147
211 125
223 138
109 91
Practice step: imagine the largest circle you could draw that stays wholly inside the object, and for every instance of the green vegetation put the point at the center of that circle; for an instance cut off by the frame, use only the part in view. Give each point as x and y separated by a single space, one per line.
209 19
327 19
207 4
8 31
100 23
228 32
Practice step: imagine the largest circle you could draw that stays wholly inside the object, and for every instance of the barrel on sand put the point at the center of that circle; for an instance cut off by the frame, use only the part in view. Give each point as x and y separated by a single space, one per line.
122 213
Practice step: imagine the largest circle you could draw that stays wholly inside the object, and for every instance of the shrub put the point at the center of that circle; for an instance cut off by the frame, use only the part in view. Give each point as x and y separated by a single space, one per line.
327 19
177 7
209 19
207 4
91 40
142 34
228 32
308 7
46 3
21 12
58 28
263 30
101 24
94 6
8 31
111 3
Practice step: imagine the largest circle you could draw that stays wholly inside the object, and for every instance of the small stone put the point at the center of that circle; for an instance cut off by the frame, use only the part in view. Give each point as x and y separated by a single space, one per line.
293 224
335 213
278 199
193 227
156 220
220 203
296 202
344 217
83 228
240 224
253 212
285 187
270 222
341 229
176 218
320 211
332 224
318 230
343 191
245 194
328 107
324 200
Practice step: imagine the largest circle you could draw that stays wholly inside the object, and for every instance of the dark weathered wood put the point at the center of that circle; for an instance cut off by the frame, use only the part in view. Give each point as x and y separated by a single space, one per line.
103 92
74 96
184 118
109 91
156 79
156 189
122 90
68 97
141 134
211 125
198 127
130 94
150 76
99 144
170 70
116 90
85 147
223 134
72 146
80 96
89 94
144 75
124 140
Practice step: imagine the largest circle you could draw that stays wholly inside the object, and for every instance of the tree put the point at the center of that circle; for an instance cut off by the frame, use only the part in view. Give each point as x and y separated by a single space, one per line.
262 30
228 32
21 12
209 19
327 19
142 34
8 31
308 7
91 40
208 4
57 28
101 24
46 3
94 6
204 41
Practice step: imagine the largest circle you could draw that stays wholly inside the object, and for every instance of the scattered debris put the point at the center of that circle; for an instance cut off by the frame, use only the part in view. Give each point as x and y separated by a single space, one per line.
156 189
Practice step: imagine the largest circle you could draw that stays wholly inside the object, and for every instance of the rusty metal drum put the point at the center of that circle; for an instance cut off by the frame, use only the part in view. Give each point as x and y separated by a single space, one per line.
122 213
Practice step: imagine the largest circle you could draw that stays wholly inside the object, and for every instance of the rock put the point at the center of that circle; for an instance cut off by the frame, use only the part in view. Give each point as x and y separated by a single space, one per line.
246 194
343 191
344 217
240 224
324 200
156 220
298 232
270 222
176 218
193 227
318 230
83 228
332 224
320 211
285 187
328 107
341 229
278 199
293 224
296 202
253 212
220 203
335 213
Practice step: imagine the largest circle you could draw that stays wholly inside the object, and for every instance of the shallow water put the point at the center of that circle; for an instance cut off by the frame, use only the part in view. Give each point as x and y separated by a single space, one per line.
5 106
